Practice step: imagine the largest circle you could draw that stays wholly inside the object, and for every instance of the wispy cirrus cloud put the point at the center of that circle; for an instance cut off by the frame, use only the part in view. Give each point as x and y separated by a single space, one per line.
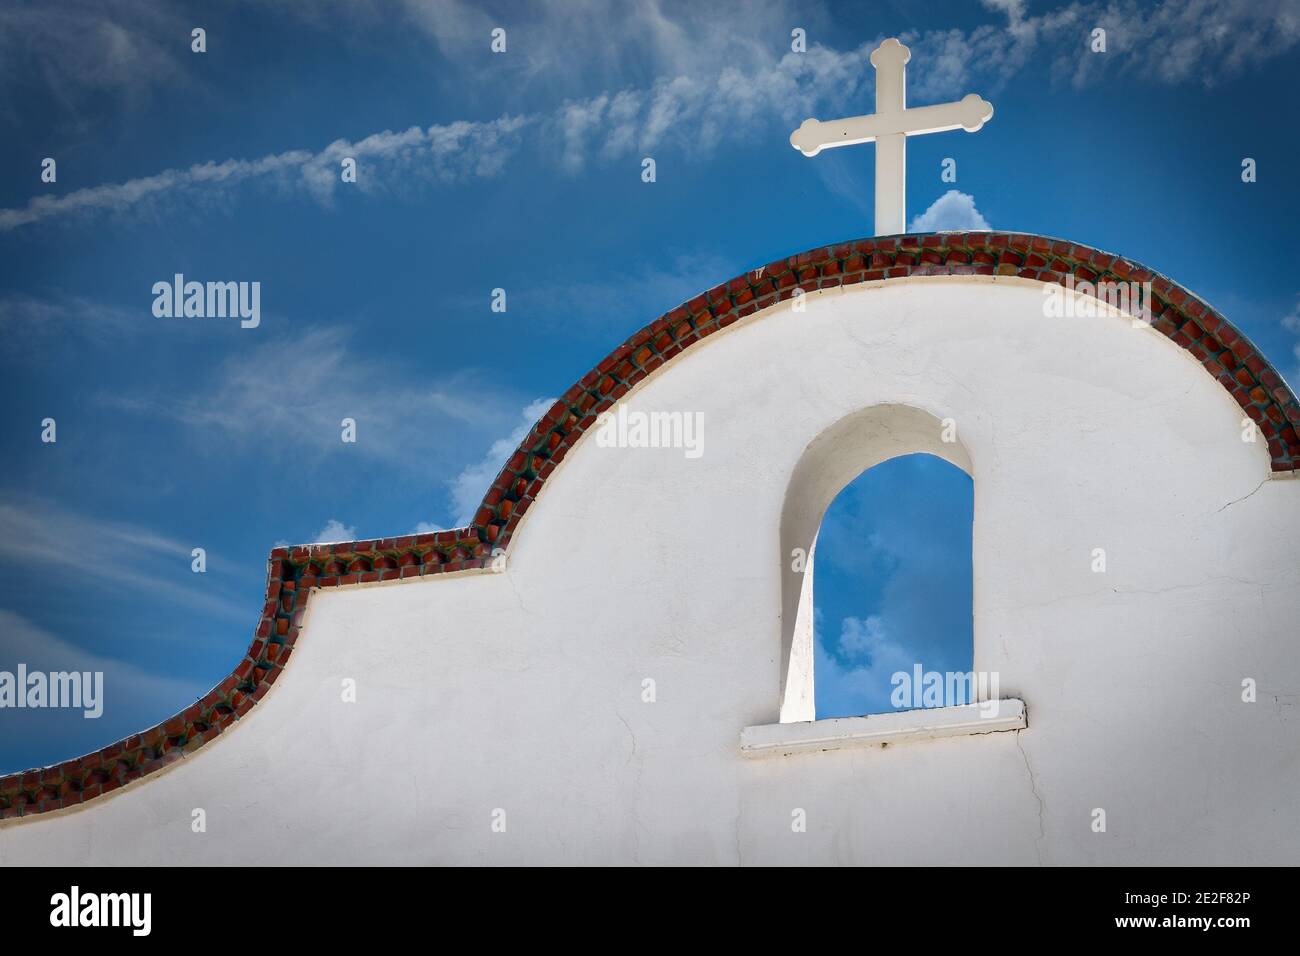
445 153
79 48
404 423
576 46
682 101
29 322
1201 41
1171 42
688 113
142 562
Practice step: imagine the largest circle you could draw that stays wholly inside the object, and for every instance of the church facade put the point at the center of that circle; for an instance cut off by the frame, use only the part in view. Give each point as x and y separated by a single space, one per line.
612 663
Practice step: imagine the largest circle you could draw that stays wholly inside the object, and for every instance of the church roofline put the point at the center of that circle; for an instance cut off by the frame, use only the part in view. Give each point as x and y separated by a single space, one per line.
292 573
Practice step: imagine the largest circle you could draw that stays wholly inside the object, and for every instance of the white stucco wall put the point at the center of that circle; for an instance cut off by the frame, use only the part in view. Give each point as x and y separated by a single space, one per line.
522 690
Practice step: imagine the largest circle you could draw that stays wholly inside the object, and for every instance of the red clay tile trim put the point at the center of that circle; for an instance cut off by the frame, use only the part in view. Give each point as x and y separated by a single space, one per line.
292 573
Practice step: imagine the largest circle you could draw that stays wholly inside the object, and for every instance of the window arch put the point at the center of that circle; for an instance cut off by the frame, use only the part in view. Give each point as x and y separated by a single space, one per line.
853 445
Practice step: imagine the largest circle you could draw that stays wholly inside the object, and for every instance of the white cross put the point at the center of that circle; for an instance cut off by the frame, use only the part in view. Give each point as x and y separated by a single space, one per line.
888 127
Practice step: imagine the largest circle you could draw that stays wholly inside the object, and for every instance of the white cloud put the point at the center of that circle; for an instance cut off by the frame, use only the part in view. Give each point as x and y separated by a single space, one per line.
403 425
427 527
1171 42
680 100
579 46
1014 9
456 151
74 48
467 488
862 685
1178 41
687 113
34 330
1291 321
145 562
334 531
952 212
684 102
24 314
862 638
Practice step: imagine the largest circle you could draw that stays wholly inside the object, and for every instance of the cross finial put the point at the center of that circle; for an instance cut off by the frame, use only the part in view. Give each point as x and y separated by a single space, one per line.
889 128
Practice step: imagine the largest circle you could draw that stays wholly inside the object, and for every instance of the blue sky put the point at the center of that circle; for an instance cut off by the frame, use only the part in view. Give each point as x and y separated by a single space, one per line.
520 171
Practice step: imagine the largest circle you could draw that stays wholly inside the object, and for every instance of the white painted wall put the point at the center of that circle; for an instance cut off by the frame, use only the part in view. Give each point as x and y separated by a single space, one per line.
522 690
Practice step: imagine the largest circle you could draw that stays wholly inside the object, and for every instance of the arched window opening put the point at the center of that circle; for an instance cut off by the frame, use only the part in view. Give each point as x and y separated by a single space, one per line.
844 455
892 625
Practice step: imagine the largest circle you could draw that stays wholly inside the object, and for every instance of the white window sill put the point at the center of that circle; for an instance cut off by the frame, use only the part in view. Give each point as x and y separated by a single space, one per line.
840 733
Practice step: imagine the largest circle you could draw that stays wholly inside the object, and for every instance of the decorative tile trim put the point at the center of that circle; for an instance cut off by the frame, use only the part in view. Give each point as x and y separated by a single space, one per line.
1223 351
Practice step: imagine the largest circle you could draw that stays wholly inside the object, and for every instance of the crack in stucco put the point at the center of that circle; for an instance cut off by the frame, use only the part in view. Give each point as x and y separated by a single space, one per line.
1183 587
636 791
630 734
1033 785
518 600
1123 592
1243 497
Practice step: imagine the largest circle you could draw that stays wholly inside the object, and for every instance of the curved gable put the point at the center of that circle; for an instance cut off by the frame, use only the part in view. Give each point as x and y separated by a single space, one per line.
294 573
